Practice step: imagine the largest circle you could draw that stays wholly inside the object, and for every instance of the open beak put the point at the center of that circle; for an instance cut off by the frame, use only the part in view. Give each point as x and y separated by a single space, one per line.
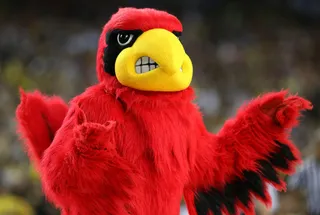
156 62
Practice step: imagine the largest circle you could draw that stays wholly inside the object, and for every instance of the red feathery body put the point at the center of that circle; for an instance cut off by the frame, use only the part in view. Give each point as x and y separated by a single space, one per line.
119 151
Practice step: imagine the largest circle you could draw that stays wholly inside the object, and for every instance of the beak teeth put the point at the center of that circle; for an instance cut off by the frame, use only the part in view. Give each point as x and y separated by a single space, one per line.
145 64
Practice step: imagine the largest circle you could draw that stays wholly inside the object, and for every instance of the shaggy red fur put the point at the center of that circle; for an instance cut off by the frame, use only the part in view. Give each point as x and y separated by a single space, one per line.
39 118
120 151
244 140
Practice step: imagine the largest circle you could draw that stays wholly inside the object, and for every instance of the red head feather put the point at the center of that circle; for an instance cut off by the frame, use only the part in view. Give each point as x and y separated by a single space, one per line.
134 19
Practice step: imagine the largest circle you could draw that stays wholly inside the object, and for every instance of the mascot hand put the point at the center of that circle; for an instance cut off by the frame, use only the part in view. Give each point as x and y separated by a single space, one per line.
94 136
284 110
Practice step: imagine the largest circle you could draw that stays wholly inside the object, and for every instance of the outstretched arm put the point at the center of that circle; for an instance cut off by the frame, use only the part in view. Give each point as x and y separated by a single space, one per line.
82 165
39 117
234 166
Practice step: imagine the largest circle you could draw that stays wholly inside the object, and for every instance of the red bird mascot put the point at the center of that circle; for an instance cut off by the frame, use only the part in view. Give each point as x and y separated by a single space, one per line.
135 143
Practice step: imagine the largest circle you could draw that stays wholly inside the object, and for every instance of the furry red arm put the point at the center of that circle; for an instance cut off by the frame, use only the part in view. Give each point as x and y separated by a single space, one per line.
39 117
235 165
82 165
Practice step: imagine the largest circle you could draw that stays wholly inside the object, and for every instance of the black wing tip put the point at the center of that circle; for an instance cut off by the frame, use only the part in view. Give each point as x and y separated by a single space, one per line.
240 191
253 183
286 151
201 204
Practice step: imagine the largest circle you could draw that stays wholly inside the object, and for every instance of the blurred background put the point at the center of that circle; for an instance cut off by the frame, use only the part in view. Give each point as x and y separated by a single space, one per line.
239 49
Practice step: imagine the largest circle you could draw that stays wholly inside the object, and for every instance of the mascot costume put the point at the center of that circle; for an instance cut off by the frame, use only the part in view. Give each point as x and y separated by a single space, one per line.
135 143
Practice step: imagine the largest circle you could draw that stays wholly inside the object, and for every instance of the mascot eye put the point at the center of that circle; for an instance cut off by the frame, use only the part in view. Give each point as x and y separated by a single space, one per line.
124 38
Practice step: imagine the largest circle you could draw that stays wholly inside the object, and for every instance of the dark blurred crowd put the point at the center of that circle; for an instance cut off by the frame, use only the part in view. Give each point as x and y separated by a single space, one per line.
239 50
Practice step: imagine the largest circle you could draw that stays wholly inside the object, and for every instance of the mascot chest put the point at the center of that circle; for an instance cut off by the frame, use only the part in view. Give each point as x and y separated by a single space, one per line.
158 140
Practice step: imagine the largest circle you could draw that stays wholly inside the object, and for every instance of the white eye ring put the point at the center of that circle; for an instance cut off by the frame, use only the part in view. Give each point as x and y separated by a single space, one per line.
126 42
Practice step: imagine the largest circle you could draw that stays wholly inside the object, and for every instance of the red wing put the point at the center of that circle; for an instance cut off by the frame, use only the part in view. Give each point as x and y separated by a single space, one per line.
238 193
250 151
39 117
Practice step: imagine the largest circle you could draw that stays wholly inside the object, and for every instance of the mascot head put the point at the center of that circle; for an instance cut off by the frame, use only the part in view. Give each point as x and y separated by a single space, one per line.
141 49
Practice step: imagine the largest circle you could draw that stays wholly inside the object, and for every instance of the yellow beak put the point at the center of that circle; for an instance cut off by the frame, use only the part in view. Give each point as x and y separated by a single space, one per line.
156 62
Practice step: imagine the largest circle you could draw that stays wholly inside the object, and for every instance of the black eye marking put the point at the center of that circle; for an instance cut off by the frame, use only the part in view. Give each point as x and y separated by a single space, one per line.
117 40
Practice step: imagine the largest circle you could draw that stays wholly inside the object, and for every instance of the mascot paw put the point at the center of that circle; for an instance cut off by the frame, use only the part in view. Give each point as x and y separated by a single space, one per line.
31 103
93 135
284 109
